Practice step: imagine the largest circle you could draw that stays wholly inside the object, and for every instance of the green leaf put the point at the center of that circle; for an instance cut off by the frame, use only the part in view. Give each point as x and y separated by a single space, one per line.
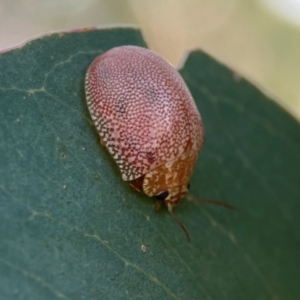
70 228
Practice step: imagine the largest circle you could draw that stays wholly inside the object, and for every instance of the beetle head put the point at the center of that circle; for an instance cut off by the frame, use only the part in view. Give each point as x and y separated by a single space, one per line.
173 195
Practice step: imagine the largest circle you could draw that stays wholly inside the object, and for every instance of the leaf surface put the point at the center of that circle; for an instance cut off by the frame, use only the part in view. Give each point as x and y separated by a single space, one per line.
70 228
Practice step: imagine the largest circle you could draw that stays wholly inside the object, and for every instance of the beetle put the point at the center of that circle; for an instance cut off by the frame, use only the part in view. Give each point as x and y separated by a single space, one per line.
147 119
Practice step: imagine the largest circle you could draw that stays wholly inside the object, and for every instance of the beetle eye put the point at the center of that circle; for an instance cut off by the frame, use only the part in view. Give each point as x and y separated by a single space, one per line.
162 195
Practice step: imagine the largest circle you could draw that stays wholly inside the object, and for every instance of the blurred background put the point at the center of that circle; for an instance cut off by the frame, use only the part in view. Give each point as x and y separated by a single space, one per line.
258 38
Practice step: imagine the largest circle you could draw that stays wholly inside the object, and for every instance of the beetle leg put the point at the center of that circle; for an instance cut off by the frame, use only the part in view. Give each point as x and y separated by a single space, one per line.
157 206
102 142
137 184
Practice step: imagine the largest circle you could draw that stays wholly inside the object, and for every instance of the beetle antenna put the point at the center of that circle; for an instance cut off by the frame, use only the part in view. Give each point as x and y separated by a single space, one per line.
178 221
221 203
216 202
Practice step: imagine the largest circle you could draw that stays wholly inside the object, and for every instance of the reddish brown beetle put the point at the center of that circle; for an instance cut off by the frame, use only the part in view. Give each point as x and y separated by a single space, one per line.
147 119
